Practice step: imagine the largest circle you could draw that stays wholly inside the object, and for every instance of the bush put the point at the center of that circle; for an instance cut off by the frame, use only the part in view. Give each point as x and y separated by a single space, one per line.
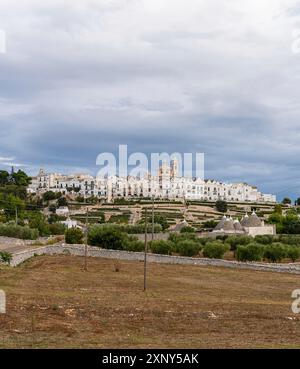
38 221
293 252
222 237
187 229
178 237
188 248
5 257
134 245
251 252
221 206
57 229
16 231
235 241
161 247
215 250
108 237
74 236
264 240
62 201
275 252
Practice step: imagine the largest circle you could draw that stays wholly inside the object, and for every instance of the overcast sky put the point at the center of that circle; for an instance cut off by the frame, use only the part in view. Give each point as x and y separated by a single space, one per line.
214 76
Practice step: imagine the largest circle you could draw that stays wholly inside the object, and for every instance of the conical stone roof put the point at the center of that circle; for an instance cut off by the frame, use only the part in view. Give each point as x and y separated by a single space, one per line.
238 226
220 225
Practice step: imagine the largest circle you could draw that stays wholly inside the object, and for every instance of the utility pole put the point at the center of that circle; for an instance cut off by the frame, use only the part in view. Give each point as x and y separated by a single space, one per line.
146 250
152 218
86 239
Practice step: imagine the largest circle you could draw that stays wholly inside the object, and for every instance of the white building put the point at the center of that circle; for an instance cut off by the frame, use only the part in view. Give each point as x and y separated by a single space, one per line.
166 185
62 210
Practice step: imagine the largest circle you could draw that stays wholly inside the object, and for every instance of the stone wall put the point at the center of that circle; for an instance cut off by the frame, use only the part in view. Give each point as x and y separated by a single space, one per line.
78 250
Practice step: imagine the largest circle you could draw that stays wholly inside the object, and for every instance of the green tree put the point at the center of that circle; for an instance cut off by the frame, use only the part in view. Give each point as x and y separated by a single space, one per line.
275 252
251 252
215 250
4 178
161 247
278 209
188 248
107 237
49 195
221 206
293 252
187 229
62 201
74 236
20 178
161 220
287 201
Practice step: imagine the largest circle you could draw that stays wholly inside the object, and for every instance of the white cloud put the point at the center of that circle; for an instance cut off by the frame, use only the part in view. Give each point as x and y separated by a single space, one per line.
202 74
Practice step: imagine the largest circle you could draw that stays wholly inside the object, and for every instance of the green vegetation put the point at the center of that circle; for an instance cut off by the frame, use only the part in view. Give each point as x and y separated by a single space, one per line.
251 252
221 206
74 236
188 248
215 250
286 224
16 231
5 257
118 219
275 252
187 229
161 247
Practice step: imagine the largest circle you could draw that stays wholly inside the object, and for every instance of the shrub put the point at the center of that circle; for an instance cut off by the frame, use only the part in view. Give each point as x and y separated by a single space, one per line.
187 229
235 241
264 239
5 257
134 245
108 237
293 252
16 231
221 206
188 248
215 250
161 247
222 238
62 201
178 237
74 236
38 221
275 252
251 252
57 229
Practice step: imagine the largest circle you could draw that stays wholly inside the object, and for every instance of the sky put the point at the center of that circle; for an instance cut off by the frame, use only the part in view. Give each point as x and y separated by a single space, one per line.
217 77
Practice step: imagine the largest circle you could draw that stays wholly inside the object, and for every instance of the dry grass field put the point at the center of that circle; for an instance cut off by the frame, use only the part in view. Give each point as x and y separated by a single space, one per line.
53 303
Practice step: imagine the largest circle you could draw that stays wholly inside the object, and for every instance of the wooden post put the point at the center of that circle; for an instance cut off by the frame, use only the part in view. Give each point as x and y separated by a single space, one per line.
152 218
146 250
86 239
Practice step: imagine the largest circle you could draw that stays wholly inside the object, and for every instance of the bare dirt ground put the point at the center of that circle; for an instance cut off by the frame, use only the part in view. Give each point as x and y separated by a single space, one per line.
53 303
